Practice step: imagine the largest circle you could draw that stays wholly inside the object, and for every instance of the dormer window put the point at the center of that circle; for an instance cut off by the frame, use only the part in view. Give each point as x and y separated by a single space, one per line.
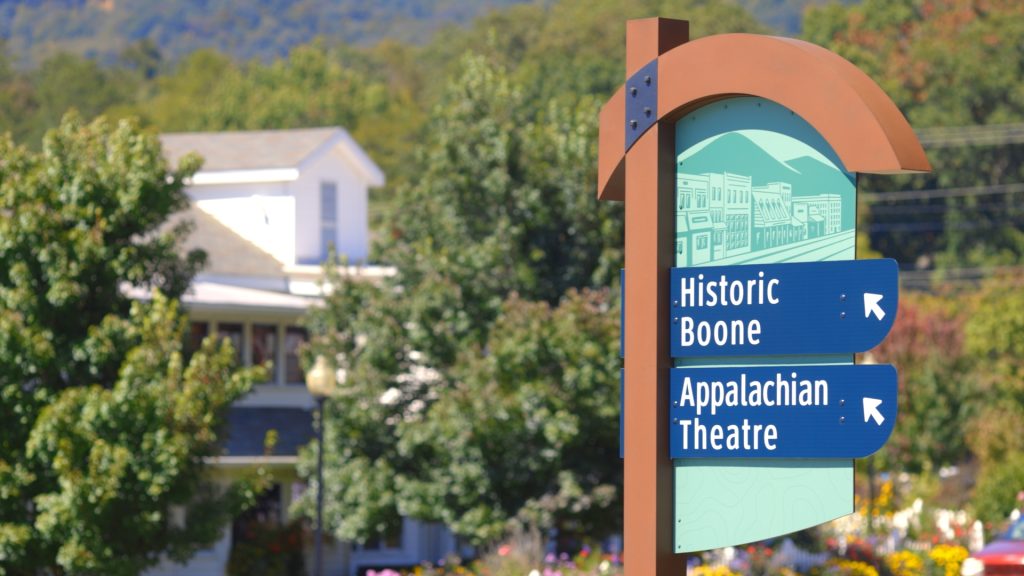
328 217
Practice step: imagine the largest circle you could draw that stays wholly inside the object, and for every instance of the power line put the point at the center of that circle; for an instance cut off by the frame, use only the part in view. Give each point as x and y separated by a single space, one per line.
913 209
985 135
904 195
940 225
923 279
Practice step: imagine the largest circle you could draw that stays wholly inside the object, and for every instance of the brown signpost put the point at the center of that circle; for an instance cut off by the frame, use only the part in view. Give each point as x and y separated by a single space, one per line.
668 77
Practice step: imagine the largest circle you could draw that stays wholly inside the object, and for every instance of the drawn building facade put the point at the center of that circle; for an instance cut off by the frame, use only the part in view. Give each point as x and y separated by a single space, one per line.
827 208
720 214
713 216
737 213
694 226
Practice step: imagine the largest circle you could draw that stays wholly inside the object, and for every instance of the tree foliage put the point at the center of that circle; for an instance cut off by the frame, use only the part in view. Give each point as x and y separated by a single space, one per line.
274 27
994 337
936 393
945 63
504 207
266 30
528 430
106 423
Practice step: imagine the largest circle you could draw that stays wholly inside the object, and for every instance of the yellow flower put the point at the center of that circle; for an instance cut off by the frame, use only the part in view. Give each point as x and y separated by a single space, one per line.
841 567
905 563
949 558
713 571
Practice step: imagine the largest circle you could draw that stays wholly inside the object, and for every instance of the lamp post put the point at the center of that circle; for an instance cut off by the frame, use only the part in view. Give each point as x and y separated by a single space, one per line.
321 381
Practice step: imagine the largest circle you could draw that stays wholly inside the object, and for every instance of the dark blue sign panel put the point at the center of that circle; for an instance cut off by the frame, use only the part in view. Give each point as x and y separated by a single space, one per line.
773 309
622 413
839 411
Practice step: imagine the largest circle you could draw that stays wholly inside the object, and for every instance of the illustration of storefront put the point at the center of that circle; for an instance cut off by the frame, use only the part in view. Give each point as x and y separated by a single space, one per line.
772 223
824 209
693 238
695 228
738 200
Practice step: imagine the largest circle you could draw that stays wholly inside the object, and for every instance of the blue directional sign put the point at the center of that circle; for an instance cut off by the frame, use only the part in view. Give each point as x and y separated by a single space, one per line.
774 309
837 411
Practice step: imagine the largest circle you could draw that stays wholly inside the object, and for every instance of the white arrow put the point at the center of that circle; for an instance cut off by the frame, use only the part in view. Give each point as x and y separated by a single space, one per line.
871 305
871 410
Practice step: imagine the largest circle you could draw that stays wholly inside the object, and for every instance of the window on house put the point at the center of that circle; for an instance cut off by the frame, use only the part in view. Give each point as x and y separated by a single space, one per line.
265 513
328 217
196 332
390 540
293 338
264 345
232 332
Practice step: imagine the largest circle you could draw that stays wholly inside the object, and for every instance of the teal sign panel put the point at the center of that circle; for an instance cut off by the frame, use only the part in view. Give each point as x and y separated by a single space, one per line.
756 184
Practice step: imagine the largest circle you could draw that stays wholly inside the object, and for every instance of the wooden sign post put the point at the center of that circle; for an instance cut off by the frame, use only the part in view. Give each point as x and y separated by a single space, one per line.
667 79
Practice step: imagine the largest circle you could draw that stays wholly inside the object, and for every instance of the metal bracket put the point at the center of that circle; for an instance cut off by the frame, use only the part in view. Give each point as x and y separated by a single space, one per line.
641 102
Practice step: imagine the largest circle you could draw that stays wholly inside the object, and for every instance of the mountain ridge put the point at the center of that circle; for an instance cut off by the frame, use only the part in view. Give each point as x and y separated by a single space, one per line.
101 29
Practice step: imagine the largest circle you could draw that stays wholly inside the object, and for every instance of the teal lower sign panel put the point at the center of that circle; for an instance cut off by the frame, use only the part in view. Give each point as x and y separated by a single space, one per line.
781 411
724 502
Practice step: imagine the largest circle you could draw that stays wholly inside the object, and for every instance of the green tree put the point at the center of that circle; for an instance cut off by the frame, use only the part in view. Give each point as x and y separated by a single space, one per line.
143 57
994 337
570 47
945 63
504 203
528 431
106 423
66 81
937 397
359 330
17 97
504 206
509 367
185 90
995 495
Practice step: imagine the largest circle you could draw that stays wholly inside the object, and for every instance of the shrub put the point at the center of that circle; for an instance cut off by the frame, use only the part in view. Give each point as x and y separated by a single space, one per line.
996 493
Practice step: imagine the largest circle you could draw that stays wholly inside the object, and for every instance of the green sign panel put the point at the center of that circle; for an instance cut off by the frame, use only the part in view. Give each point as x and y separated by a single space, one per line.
757 184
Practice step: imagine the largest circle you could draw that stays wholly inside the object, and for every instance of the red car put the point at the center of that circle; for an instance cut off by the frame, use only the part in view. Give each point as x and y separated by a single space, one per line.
1003 556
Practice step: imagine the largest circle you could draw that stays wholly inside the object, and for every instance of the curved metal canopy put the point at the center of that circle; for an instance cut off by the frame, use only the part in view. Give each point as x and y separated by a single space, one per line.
852 113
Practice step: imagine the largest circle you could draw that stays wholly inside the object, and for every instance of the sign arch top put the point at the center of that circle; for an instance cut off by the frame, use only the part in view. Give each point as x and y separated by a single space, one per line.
856 117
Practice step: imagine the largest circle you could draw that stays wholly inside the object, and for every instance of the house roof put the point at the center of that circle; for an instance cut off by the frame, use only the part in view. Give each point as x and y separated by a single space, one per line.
218 296
205 294
267 150
248 427
227 253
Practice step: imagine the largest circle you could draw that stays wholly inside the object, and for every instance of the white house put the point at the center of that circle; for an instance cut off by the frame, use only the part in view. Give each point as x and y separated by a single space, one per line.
266 207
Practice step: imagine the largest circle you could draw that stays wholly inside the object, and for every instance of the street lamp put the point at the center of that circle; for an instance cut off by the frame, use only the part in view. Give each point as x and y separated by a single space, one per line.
321 381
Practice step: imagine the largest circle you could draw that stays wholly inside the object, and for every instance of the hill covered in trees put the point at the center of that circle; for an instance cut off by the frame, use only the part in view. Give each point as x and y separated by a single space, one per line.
103 29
